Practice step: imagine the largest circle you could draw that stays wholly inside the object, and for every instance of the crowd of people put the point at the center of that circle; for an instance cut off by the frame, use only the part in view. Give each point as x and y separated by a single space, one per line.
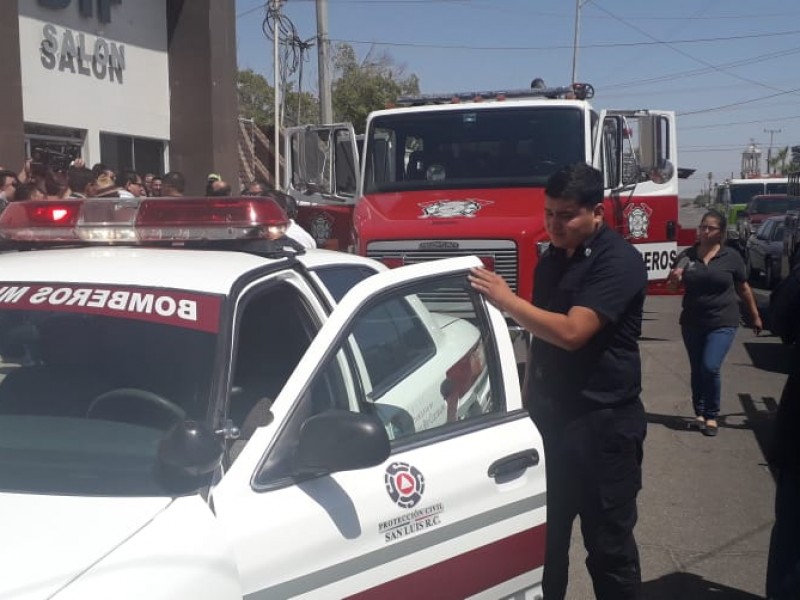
42 182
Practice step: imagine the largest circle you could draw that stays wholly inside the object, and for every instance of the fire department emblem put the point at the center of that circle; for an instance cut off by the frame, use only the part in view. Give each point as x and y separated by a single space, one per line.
405 484
320 228
638 216
468 207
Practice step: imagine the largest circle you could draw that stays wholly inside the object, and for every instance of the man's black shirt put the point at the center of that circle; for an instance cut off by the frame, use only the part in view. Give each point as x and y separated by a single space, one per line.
710 301
607 275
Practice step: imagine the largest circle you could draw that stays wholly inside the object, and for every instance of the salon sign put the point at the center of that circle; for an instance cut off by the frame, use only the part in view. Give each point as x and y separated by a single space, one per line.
80 53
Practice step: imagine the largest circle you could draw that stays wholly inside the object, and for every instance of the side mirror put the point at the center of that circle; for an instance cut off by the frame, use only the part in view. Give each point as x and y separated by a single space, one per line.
662 172
340 440
190 450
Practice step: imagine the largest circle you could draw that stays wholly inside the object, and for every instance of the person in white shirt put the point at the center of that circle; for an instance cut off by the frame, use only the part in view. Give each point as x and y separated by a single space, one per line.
289 205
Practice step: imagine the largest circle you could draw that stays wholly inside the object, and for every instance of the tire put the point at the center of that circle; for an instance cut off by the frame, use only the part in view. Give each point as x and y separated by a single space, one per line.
748 267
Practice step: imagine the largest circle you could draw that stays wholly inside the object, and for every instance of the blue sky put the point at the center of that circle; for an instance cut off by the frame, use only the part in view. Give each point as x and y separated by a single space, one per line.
729 68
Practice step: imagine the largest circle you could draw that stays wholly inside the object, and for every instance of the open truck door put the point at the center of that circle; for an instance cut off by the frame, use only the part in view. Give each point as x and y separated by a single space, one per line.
636 150
321 173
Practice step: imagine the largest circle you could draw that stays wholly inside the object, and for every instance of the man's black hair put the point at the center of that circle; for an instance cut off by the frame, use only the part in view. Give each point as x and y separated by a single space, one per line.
6 173
174 180
578 182
79 178
99 168
128 177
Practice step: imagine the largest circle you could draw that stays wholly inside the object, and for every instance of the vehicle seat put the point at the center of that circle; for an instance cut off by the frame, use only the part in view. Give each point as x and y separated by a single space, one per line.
65 378
415 169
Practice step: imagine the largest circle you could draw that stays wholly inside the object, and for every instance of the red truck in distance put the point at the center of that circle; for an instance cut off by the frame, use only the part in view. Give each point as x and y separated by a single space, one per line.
460 174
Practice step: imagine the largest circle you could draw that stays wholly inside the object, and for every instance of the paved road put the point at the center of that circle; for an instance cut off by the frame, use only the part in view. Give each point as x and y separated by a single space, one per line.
706 505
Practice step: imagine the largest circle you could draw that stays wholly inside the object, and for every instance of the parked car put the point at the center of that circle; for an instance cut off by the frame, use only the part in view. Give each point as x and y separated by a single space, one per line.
761 207
791 242
764 250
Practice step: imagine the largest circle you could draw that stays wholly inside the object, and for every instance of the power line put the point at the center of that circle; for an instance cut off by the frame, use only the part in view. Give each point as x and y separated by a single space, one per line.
562 47
732 104
729 123
705 70
686 54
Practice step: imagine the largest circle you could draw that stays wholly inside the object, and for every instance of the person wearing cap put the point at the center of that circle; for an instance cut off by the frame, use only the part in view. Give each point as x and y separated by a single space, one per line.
216 187
583 381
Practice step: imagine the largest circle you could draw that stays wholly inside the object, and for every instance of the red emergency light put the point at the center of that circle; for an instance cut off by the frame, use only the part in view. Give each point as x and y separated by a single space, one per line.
135 220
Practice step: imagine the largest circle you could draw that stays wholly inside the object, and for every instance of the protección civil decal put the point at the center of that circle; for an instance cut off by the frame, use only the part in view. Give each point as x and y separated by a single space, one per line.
468 207
411 522
638 216
405 484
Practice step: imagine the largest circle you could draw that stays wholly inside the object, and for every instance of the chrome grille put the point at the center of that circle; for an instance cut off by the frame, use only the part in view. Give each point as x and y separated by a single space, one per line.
503 252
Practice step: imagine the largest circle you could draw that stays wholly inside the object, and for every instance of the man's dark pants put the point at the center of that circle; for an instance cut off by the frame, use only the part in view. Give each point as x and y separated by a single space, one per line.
594 471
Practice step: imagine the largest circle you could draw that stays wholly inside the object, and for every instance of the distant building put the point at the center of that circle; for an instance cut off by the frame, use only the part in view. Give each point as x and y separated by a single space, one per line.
130 83
751 161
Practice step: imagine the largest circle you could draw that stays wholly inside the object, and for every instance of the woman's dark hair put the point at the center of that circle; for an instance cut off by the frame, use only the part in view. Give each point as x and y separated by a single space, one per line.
721 220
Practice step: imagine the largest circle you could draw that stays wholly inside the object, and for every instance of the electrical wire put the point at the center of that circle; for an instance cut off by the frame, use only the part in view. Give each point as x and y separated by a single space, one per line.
656 42
294 49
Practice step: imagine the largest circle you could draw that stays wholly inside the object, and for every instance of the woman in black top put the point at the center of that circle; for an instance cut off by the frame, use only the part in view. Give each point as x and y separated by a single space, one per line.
713 275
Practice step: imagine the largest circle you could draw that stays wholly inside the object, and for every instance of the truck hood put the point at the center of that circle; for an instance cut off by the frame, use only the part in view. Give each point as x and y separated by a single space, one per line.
483 212
48 541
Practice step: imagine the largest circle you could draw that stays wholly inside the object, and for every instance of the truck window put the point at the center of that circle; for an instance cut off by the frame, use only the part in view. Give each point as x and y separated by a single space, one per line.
486 147
743 193
777 188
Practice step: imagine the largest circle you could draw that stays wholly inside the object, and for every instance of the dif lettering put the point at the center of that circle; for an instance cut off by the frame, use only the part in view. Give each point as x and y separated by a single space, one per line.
85 7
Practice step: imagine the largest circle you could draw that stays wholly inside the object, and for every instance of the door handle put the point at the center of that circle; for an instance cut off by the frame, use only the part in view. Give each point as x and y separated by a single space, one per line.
519 461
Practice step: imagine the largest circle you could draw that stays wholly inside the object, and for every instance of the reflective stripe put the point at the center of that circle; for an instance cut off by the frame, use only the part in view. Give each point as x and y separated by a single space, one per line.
359 564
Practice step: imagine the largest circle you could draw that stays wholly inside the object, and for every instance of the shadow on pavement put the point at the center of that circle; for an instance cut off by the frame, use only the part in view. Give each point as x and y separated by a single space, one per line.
775 358
690 587
761 422
676 423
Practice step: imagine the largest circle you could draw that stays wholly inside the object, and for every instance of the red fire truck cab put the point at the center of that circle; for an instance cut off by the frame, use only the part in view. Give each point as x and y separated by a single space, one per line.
463 174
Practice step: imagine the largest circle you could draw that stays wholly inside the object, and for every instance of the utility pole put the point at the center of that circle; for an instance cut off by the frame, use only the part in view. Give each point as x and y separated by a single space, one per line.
276 5
771 133
324 63
576 38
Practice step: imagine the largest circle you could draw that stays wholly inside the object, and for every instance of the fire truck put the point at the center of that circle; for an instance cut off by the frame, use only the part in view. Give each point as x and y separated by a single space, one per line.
464 174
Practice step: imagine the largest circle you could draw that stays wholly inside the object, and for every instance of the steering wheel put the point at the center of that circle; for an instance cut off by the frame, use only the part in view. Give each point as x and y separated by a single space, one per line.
544 166
126 404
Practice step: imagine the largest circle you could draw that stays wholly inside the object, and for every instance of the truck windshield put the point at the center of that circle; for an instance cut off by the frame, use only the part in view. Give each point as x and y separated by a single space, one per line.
495 146
86 398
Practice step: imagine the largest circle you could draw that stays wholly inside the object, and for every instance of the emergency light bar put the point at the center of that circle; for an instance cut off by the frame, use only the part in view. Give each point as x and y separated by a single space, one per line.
578 91
136 221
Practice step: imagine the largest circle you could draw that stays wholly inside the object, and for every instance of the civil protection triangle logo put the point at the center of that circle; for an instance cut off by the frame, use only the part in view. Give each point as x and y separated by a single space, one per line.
405 484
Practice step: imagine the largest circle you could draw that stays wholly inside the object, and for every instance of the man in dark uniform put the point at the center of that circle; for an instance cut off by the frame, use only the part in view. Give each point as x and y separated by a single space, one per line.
583 382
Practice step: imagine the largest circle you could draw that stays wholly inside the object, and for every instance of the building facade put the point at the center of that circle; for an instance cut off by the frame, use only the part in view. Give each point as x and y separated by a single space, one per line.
147 85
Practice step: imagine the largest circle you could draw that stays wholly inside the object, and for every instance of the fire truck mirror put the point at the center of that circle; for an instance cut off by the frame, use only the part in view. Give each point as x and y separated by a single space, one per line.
662 172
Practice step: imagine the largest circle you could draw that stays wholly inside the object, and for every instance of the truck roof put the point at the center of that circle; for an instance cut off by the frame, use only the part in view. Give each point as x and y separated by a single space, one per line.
482 105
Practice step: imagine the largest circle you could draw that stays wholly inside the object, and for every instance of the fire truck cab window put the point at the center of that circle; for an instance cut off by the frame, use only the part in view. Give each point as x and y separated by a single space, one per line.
474 148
